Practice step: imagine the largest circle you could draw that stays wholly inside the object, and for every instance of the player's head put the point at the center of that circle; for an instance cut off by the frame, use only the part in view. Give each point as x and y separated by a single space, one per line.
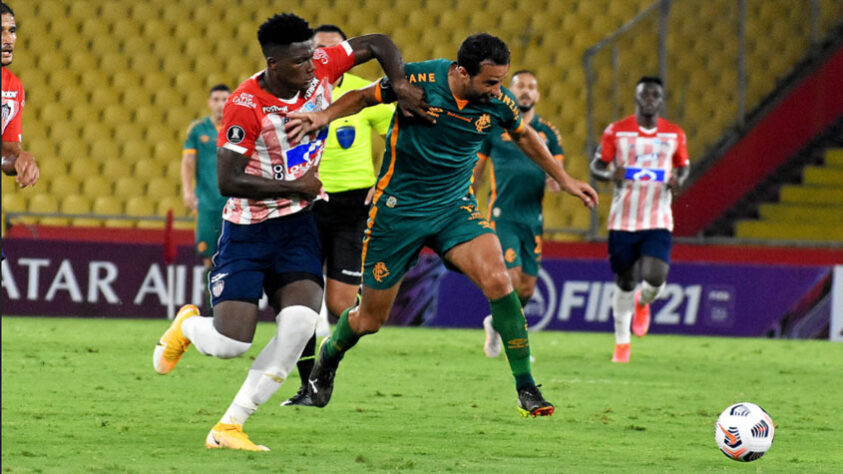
9 33
649 96
525 87
326 35
217 97
286 43
482 64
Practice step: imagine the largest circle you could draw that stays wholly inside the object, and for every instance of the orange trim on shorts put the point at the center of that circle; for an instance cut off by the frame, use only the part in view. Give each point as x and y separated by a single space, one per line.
382 184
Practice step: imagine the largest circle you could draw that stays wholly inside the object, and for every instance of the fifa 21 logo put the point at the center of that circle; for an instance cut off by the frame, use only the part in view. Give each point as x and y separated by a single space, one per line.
591 301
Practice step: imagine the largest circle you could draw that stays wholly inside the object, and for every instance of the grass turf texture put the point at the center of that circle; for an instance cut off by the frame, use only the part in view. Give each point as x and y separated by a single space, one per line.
80 395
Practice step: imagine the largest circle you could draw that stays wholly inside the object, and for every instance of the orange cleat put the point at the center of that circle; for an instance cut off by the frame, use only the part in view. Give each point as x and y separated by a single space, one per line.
641 318
621 354
172 345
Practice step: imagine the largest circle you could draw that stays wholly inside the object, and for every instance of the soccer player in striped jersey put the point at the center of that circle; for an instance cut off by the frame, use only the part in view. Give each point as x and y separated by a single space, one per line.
269 240
516 194
647 159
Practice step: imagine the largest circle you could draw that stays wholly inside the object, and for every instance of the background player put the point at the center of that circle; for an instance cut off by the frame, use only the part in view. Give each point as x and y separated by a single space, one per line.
348 176
199 175
423 198
515 201
269 239
15 161
647 159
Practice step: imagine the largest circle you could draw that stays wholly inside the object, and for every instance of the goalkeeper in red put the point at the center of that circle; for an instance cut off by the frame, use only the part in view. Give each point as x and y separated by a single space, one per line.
423 198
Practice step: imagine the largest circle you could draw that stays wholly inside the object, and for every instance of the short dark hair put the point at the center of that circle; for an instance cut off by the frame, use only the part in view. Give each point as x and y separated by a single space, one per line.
650 80
6 9
283 30
219 87
522 71
329 28
481 47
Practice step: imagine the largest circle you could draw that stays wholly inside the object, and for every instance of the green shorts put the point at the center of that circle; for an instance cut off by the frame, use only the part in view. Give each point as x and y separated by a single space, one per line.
393 241
208 228
521 245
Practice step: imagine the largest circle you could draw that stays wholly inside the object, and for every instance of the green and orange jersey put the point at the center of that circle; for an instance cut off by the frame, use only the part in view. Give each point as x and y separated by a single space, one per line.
517 183
202 140
426 167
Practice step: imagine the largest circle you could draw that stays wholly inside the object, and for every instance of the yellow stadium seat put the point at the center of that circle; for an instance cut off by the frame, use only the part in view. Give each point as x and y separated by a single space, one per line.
158 132
176 63
92 131
103 45
174 203
52 114
135 149
48 164
142 207
116 114
147 169
156 81
128 131
136 97
76 204
82 167
14 201
96 185
65 27
178 12
116 168
174 170
113 62
48 204
73 95
63 185
165 151
157 28
196 45
111 206
117 12
180 117
104 96
188 81
189 29
142 12
84 113
145 63
71 149
125 79
104 150
92 78
149 115
127 187
161 187
82 61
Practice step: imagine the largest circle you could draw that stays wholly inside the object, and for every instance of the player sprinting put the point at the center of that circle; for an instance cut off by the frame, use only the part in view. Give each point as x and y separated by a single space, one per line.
647 159
15 161
348 176
199 175
424 197
269 239
515 201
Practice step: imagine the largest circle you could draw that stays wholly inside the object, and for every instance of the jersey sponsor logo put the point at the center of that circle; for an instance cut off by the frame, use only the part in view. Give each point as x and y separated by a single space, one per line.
204 138
274 109
278 172
301 157
235 134
10 94
351 273
345 136
321 56
244 99
311 88
380 271
482 123
505 137
510 255
644 174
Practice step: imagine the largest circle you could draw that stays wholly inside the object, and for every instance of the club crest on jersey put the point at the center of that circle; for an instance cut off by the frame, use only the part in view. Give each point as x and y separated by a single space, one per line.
217 288
482 123
204 138
235 134
345 136
321 56
244 99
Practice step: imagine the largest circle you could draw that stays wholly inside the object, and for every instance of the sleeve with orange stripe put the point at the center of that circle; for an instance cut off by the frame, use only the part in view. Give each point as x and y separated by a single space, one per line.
554 140
510 115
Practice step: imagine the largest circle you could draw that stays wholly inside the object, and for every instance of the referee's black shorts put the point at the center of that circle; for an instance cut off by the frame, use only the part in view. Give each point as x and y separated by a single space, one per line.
341 222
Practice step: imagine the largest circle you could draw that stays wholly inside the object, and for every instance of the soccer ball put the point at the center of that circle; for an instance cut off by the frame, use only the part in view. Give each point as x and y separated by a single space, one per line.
744 432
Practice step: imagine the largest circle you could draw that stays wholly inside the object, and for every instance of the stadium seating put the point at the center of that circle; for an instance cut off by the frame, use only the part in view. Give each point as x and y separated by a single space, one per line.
143 74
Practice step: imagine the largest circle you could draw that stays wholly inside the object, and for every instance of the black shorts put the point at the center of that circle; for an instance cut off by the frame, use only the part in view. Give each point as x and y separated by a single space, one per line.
625 248
341 222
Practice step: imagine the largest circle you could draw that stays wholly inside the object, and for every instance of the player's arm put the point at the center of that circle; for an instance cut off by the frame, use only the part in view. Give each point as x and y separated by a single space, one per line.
529 142
681 165
381 47
233 180
479 170
17 162
300 124
188 172
601 167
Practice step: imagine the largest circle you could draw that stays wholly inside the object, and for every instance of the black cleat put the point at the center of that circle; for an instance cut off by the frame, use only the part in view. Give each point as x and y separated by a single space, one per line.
301 398
320 384
531 402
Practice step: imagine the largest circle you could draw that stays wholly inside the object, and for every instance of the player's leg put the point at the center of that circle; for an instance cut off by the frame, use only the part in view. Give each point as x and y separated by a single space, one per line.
510 243
655 255
623 254
208 229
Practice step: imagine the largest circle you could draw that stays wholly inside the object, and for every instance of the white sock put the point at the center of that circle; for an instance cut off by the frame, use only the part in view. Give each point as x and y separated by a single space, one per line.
649 293
623 303
323 328
209 341
295 326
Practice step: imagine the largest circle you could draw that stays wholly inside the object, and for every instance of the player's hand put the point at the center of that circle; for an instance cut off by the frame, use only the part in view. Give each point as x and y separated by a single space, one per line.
369 196
411 101
582 190
300 124
309 184
619 174
673 186
26 169
552 185
191 202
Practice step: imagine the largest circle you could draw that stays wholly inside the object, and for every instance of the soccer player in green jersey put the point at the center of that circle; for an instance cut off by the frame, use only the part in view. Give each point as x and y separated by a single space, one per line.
423 198
517 191
199 175
348 176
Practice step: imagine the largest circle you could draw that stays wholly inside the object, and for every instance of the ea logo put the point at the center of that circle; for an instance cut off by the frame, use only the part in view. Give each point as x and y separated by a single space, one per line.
539 310
235 134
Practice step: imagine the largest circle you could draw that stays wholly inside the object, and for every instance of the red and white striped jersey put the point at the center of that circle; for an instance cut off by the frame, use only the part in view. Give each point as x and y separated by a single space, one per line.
253 125
643 200
12 105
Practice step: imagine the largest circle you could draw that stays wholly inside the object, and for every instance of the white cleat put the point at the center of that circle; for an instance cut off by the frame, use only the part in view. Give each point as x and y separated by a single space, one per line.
492 346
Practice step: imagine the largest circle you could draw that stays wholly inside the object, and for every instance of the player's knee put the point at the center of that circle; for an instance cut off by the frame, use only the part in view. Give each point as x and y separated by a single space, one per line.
368 326
654 278
337 304
228 348
626 283
525 293
496 284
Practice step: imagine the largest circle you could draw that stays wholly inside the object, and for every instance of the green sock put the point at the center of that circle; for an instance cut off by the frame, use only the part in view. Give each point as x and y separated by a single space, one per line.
342 339
509 321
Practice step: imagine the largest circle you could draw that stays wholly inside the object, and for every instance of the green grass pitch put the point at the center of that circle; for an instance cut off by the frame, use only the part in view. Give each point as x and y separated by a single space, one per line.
80 395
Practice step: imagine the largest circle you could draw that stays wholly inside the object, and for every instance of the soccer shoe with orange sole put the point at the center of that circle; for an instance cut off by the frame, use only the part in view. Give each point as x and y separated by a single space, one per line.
532 403
172 345
641 318
224 435
492 346
621 353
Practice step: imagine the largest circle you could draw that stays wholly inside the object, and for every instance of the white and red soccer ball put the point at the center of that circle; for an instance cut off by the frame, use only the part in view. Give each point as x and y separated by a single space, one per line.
744 432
